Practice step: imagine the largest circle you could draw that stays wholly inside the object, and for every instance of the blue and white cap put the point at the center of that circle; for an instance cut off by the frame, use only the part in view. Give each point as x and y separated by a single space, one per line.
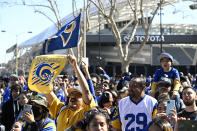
165 80
162 55
148 80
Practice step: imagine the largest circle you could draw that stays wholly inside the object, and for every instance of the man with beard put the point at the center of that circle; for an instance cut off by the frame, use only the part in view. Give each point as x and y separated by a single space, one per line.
136 110
189 97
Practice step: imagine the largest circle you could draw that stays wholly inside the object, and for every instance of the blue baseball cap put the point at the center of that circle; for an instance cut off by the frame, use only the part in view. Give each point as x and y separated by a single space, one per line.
165 80
127 78
162 55
148 80
105 76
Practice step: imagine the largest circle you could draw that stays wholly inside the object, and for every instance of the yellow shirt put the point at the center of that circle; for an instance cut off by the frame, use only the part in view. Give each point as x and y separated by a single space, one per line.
67 117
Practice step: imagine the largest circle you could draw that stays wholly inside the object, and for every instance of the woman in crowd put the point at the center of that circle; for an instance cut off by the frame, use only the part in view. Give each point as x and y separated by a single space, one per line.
23 99
95 120
160 125
17 126
162 119
106 101
11 108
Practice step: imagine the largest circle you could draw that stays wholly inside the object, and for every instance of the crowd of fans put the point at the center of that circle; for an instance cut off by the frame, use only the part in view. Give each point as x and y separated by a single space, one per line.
165 101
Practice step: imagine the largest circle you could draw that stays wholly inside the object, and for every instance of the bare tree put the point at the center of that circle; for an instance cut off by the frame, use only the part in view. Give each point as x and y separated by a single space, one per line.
50 10
137 10
49 5
53 7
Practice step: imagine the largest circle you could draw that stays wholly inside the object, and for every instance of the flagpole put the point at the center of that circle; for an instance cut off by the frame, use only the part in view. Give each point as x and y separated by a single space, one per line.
16 59
84 33
16 56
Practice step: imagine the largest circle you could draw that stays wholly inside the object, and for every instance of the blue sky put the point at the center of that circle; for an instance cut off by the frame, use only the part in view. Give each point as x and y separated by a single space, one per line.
178 13
18 20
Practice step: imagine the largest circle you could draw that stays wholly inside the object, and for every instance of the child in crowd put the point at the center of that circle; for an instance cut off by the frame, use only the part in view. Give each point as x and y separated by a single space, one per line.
17 126
166 70
95 120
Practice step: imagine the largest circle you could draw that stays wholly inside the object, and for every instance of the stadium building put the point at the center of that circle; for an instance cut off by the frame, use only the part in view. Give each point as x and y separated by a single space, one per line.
174 30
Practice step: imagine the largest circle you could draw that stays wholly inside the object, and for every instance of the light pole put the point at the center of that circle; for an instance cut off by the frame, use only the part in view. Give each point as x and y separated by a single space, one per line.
161 30
99 19
17 51
84 22
15 47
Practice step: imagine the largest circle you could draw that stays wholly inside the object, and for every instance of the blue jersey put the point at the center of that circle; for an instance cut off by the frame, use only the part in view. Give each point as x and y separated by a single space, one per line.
25 88
6 95
49 125
195 87
172 74
61 96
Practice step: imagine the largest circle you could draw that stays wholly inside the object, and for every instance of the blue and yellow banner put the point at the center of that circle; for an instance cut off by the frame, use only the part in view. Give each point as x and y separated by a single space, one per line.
44 70
67 37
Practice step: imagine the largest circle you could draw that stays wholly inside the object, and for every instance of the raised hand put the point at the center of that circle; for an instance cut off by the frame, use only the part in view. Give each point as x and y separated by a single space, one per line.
100 68
84 67
29 117
172 117
72 60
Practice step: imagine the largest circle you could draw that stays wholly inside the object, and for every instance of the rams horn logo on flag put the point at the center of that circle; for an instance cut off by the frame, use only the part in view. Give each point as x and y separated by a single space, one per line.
66 37
44 70
69 29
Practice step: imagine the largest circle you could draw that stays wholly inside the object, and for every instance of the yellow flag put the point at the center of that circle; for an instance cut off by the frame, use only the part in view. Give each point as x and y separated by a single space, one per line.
44 69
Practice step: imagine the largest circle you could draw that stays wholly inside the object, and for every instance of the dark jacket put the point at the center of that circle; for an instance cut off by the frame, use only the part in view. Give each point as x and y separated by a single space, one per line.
10 111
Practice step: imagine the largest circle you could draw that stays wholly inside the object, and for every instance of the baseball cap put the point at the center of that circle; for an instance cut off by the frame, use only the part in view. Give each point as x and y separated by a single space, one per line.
127 78
165 80
123 89
162 55
105 76
74 91
148 80
40 100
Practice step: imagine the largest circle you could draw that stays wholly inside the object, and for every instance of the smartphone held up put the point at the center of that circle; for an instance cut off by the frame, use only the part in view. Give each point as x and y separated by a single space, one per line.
170 106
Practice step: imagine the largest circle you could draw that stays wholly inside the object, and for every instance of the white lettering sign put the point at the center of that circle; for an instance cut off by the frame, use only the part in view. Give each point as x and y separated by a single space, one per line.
140 38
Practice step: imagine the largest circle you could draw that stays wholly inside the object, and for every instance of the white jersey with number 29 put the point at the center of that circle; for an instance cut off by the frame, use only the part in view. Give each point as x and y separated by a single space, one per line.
135 116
